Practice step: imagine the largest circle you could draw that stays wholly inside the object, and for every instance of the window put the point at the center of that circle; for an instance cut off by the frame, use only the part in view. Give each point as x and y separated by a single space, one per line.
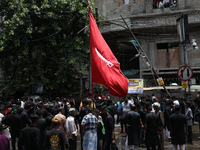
167 55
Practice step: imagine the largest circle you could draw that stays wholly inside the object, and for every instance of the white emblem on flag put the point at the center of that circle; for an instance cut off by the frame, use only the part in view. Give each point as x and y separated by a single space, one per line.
106 61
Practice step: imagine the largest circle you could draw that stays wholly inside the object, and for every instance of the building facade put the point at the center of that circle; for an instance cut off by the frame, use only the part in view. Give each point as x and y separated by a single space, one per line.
157 33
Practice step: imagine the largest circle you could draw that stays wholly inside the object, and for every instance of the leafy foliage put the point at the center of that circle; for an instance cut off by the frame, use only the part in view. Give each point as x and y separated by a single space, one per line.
39 43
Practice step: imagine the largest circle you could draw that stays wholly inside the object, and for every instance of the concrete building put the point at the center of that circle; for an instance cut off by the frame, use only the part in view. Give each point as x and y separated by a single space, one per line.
157 33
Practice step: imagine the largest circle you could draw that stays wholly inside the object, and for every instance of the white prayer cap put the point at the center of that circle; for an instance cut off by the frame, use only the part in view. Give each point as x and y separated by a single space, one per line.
72 109
89 99
99 118
156 104
176 102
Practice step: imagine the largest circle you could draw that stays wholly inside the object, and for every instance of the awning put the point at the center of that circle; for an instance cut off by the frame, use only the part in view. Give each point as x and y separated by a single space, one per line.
160 88
192 88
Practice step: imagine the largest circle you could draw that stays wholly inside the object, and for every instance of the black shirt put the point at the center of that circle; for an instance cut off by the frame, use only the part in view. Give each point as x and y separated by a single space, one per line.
54 110
143 114
112 110
24 119
66 110
13 120
152 122
182 104
30 138
41 125
109 127
82 113
56 139
178 122
167 114
197 101
133 119
100 135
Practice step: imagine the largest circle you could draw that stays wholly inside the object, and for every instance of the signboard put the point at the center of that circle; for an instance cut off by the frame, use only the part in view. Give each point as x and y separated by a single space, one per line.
184 84
135 86
185 73
160 81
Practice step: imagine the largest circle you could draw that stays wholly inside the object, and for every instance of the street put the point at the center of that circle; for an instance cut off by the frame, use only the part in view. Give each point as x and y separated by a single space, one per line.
120 140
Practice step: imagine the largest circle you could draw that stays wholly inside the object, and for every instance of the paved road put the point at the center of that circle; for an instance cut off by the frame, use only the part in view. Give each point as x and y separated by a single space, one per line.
120 139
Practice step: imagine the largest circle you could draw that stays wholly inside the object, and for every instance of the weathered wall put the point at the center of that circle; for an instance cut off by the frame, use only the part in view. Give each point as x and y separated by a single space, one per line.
192 4
153 27
157 57
115 8
181 4
194 55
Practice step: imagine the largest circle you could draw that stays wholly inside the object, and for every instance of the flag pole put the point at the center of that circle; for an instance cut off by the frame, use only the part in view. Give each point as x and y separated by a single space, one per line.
91 83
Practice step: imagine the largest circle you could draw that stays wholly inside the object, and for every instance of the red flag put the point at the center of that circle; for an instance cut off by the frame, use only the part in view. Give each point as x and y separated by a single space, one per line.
104 66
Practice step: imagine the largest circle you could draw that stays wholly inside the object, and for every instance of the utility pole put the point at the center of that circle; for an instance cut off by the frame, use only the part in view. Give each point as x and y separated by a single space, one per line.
186 64
146 57
183 31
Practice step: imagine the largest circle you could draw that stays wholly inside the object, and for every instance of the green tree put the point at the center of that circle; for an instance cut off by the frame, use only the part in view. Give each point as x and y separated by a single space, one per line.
39 43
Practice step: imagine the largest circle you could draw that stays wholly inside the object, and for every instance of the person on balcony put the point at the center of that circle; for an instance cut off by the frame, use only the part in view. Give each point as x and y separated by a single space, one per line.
166 3
161 5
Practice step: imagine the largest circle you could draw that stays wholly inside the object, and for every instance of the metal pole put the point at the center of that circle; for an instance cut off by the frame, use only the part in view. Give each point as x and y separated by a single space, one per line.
189 89
185 55
145 55
97 16
186 63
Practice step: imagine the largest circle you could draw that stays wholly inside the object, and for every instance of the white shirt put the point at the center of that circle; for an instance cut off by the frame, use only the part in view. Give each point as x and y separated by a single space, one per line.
1 117
126 107
22 104
160 4
165 1
6 131
188 114
71 127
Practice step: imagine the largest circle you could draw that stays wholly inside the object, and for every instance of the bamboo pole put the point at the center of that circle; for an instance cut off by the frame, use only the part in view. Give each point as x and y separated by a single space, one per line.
152 68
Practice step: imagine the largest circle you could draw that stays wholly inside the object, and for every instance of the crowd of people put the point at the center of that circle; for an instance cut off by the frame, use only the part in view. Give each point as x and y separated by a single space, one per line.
161 4
147 120
54 125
